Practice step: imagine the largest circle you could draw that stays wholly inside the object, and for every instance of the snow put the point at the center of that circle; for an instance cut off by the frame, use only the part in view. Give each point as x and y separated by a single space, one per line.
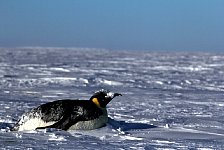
170 100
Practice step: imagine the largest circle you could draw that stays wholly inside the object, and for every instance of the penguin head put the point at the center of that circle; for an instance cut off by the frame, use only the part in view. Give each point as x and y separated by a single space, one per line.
103 97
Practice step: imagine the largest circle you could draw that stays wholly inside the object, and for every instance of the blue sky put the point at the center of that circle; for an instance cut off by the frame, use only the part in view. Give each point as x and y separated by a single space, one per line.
177 25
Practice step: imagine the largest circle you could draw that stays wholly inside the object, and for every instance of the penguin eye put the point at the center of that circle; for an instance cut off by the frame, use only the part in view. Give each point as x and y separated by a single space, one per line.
103 98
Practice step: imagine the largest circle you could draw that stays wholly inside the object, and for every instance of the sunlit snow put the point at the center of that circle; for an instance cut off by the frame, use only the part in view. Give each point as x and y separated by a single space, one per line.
170 100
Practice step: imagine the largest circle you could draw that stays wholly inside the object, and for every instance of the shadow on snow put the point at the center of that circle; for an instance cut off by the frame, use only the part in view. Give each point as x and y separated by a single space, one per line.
127 126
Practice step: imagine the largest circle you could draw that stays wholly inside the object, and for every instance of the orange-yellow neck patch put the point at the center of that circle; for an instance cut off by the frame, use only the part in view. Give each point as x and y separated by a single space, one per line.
96 101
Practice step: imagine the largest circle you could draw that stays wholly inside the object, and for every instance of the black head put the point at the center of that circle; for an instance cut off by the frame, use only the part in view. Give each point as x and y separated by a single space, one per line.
103 97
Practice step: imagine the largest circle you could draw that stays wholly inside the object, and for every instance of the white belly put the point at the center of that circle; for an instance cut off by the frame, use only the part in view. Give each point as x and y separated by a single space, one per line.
34 123
91 124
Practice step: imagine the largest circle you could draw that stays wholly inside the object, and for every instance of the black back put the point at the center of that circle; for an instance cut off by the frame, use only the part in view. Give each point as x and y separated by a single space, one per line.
54 111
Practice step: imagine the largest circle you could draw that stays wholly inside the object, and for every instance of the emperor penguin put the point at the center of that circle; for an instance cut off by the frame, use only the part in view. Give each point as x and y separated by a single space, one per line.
68 114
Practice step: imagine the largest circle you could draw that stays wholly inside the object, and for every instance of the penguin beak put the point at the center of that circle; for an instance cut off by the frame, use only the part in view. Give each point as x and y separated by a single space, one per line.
117 94
111 95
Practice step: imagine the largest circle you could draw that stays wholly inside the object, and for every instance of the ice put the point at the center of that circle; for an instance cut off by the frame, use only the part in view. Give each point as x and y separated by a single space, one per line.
112 83
59 69
171 100
53 137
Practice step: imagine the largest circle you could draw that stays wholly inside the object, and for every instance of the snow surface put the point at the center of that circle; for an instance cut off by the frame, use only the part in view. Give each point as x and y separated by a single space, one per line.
170 100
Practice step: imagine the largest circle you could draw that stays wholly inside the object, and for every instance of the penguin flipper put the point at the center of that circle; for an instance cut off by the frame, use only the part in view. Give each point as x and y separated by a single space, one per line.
64 123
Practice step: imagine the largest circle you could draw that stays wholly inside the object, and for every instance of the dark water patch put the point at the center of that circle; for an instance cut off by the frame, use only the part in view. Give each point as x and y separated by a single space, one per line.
10 76
4 126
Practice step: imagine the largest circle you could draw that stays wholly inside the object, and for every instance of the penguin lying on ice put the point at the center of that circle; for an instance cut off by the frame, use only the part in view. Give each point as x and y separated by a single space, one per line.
68 114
